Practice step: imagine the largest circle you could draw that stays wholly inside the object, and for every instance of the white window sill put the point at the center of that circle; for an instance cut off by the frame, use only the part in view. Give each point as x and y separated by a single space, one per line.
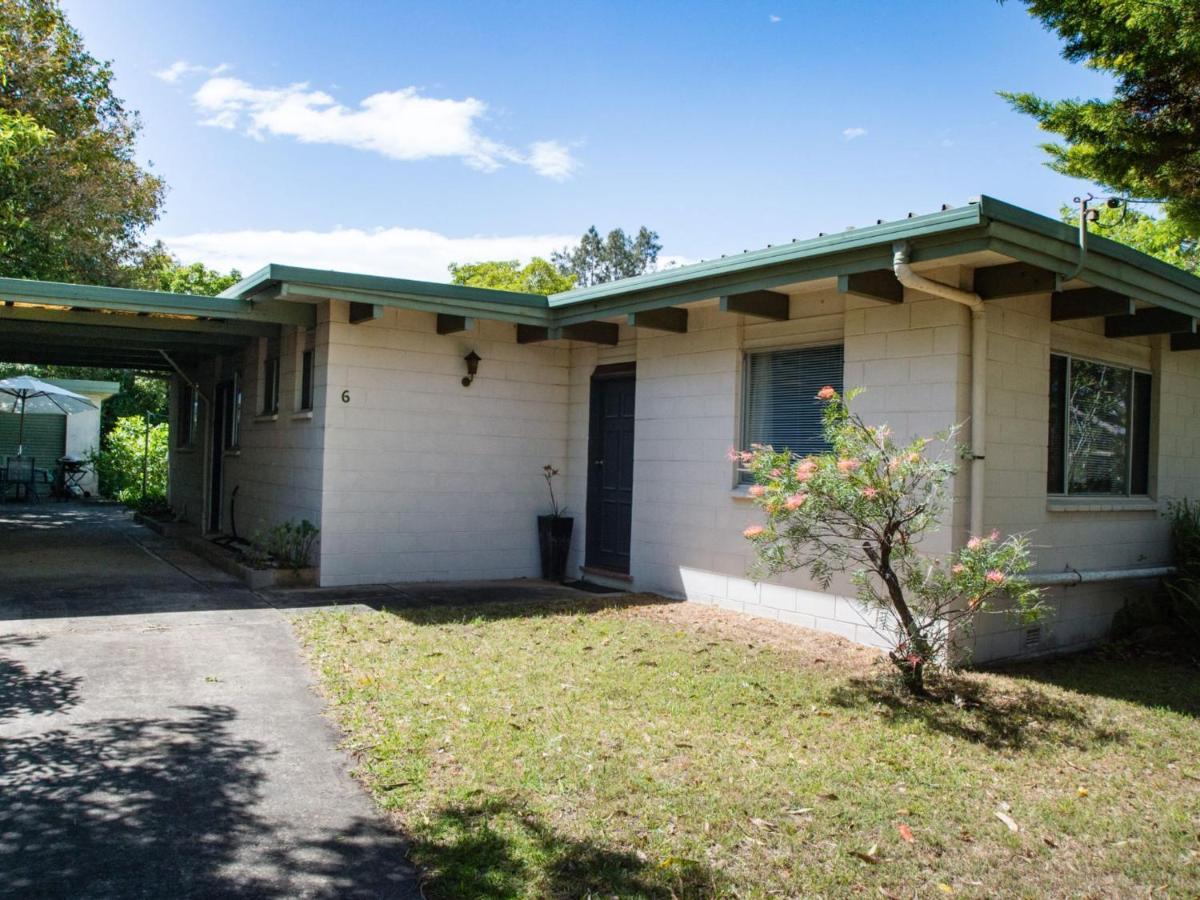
266 417
305 415
1100 504
741 492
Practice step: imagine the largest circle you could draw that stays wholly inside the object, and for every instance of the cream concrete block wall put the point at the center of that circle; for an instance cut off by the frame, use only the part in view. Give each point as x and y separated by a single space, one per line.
1021 338
277 470
425 479
688 514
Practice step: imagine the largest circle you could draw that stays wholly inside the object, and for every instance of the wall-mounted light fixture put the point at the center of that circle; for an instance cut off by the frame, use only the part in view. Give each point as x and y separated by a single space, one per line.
472 360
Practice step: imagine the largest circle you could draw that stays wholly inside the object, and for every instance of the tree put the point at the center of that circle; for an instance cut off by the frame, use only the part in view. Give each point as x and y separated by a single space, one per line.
537 277
596 260
1165 238
1145 141
159 270
73 201
864 508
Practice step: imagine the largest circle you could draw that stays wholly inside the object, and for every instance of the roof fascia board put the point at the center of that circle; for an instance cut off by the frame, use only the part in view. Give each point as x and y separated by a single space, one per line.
501 311
1068 236
1100 271
864 259
853 239
131 300
379 284
136 323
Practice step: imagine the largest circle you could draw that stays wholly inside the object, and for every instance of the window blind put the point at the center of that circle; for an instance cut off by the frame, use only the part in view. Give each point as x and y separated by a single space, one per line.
781 408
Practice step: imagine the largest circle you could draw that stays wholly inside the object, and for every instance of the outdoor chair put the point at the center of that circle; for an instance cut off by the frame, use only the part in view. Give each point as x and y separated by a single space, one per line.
20 471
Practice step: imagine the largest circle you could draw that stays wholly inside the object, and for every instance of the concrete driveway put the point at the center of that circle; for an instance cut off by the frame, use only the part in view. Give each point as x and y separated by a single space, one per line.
159 735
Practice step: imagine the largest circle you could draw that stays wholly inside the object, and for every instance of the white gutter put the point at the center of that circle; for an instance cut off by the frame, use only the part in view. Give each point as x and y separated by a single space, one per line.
1082 576
910 279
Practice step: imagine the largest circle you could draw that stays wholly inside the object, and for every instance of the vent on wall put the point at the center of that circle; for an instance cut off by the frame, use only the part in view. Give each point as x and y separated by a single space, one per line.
1033 636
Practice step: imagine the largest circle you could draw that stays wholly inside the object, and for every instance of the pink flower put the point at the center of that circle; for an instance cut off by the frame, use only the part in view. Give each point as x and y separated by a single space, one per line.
994 536
747 457
958 569
753 531
975 543
803 475
757 490
846 466
869 492
734 455
994 576
775 473
795 501
826 393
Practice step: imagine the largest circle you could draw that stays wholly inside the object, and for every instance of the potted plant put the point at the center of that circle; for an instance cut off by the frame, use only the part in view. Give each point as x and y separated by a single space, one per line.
554 533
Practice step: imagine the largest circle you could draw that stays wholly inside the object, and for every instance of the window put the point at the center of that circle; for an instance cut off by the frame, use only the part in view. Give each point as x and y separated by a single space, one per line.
306 380
233 414
270 388
1099 429
187 414
781 407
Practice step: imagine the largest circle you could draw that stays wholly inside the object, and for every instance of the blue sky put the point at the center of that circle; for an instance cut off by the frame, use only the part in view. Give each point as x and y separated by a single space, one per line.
504 129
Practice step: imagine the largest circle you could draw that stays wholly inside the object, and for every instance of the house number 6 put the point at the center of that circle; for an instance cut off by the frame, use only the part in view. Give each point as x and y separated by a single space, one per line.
345 396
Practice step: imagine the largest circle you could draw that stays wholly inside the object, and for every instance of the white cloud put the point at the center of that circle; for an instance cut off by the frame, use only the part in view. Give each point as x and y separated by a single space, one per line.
182 68
852 133
775 20
399 252
402 124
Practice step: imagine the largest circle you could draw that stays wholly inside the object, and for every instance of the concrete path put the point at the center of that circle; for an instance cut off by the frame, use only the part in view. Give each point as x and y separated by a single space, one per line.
159 735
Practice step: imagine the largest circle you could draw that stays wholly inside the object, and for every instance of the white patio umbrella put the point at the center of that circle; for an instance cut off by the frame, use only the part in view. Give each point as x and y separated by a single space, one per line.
32 395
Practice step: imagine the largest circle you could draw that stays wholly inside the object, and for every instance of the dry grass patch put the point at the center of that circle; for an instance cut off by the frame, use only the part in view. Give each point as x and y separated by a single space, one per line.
650 749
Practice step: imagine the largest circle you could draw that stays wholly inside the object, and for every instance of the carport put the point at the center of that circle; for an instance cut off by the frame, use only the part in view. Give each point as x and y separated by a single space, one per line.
50 323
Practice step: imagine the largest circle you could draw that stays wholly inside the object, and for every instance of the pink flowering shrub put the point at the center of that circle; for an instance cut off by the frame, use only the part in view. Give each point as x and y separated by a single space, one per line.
863 508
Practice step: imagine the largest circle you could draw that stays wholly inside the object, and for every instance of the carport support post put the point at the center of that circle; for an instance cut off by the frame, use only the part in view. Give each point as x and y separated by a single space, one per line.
145 453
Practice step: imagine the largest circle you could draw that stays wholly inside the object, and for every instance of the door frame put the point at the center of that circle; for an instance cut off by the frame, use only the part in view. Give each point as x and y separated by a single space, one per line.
216 469
600 376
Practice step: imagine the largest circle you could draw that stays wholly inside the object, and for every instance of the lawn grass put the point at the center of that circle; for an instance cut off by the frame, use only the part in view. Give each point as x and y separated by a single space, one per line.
658 750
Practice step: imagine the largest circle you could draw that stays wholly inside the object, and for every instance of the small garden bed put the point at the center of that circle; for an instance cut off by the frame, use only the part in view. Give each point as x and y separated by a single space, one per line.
652 749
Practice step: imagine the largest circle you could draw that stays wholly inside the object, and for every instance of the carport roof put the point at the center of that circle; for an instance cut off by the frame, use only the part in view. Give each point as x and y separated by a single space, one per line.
1027 253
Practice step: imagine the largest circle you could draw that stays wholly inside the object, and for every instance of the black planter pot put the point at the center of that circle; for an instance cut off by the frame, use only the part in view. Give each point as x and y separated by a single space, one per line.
554 541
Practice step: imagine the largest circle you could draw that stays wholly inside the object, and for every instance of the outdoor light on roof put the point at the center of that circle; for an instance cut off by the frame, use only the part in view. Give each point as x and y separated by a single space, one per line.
472 360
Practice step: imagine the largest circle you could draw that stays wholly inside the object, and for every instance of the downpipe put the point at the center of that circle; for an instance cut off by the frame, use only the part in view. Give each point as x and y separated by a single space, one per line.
910 279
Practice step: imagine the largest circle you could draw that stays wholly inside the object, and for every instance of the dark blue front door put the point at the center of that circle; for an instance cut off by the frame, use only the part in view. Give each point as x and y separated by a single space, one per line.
610 475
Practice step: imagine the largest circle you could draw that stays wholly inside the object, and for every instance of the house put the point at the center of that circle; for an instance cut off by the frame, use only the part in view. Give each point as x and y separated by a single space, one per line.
345 399
48 437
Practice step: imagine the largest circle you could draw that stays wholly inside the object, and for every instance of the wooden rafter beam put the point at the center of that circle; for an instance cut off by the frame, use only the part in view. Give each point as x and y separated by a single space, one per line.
880 285
592 332
364 312
1016 279
762 304
1154 320
1180 342
450 324
532 334
669 318
1089 303
134 323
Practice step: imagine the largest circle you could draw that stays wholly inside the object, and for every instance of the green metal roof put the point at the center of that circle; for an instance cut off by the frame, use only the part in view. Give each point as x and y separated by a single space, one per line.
132 326
983 224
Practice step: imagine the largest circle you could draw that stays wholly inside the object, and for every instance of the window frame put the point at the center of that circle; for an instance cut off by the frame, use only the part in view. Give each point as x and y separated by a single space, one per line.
742 474
189 419
270 381
232 441
1133 433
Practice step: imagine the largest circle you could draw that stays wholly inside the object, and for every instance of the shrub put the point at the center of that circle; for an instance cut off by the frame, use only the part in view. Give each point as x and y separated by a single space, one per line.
863 508
289 545
1183 588
119 461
